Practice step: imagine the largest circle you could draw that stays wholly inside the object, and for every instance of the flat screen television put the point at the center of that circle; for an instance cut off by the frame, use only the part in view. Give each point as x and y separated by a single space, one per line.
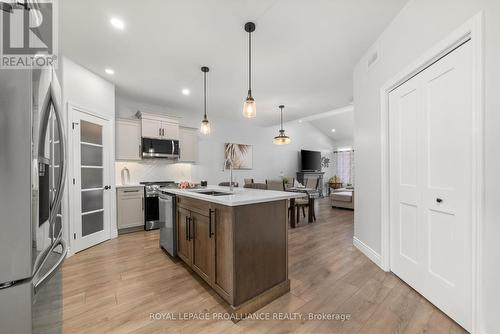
310 160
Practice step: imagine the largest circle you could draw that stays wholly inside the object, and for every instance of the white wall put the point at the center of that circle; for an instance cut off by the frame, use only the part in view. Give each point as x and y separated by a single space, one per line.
150 170
419 26
84 89
269 160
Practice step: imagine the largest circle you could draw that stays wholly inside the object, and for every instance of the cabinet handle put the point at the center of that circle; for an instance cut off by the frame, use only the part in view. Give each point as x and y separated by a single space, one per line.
163 132
143 199
191 227
131 191
187 229
159 132
210 234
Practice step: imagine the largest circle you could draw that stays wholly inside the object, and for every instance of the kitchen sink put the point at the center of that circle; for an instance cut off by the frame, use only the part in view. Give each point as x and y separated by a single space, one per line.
213 193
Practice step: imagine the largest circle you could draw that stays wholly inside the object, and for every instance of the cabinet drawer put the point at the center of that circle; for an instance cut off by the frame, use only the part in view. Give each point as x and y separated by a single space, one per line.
130 192
195 205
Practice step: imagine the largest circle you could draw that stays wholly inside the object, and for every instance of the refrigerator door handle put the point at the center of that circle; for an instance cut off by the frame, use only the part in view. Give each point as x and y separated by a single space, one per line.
62 148
50 101
45 278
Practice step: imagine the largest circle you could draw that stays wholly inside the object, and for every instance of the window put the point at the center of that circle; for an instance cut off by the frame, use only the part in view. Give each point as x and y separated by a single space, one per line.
344 162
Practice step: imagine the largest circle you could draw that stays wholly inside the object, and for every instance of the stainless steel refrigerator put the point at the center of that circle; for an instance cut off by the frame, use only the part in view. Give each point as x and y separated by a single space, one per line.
32 174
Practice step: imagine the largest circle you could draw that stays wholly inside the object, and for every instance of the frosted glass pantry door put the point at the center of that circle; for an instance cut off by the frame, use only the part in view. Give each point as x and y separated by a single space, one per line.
91 140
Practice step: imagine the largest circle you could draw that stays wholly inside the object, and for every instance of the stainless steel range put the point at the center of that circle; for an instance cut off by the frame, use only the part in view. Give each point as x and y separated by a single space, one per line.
152 208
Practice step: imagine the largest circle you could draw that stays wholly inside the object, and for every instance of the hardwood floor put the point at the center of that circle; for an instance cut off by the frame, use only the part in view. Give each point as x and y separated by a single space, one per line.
114 287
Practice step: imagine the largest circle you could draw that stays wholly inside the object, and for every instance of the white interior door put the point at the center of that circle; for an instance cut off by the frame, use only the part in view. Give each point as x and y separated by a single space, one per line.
431 183
91 177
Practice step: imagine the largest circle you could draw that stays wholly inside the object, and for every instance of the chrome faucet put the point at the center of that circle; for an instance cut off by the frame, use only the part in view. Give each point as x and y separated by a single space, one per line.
230 163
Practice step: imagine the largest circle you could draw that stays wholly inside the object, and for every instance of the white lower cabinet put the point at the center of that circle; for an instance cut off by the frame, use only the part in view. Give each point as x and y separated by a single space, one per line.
130 207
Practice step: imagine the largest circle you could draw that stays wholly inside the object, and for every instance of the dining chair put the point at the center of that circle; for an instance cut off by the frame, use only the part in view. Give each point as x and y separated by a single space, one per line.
248 180
301 204
262 186
227 184
275 185
312 183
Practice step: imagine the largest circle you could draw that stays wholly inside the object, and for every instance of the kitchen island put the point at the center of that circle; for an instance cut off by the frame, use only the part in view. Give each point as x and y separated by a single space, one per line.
236 241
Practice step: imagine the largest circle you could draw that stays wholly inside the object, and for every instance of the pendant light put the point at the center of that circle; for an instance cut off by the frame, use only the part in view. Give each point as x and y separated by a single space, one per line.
249 108
281 138
205 125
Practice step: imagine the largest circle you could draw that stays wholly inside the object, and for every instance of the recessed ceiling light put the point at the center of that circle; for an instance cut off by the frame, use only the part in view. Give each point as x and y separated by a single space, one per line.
186 91
333 130
117 23
110 71
300 121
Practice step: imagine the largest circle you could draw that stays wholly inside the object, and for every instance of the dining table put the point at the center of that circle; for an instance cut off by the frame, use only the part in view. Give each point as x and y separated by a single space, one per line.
312 194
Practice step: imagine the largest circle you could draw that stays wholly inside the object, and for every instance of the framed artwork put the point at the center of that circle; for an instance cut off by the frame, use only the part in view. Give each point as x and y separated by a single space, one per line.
241 155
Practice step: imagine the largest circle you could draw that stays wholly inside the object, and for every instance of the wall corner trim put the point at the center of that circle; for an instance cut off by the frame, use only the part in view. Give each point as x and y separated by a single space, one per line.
368 251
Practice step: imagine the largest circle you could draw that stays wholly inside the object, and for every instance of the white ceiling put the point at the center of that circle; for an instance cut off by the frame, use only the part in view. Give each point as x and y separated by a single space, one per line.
304 51
342 120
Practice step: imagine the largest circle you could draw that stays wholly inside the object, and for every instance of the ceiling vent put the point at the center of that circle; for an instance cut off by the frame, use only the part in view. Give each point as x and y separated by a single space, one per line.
372 60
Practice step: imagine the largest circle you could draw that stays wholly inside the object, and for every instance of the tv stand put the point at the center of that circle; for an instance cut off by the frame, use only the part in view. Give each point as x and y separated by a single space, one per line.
301 176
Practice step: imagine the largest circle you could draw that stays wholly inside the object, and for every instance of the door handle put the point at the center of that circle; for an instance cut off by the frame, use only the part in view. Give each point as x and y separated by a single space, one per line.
191 227
50 101
108 187
439 200
210 234
45 278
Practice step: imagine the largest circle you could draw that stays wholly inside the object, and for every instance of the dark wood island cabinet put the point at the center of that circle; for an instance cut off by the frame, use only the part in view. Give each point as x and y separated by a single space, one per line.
240 251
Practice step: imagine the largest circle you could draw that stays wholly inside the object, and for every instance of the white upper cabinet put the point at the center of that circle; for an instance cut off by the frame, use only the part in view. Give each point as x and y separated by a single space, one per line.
128 140
151 128
170 130
188 141
155 126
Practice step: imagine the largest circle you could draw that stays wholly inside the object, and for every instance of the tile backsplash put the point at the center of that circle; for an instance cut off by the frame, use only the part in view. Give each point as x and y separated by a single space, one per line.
154 170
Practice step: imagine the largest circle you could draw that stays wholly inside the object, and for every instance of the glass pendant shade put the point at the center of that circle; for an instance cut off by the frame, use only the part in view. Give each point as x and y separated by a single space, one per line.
249 107
281 139
205 127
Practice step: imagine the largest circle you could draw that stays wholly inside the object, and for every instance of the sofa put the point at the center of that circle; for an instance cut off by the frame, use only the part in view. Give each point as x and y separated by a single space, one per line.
342 198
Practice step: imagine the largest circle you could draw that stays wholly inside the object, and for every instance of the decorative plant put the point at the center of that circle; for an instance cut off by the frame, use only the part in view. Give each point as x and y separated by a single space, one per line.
325 162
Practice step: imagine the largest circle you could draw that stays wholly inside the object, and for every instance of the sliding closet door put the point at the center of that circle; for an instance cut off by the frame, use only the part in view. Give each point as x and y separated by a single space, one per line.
431 183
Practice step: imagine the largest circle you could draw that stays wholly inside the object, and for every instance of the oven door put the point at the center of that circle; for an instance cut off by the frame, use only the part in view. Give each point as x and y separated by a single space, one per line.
151 212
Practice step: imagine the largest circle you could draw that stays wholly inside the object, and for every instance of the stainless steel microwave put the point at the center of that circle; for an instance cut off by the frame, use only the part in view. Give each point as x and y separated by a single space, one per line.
160 148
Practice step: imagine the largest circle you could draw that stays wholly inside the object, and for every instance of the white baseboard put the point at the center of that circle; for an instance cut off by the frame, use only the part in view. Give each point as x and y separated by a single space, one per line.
370 253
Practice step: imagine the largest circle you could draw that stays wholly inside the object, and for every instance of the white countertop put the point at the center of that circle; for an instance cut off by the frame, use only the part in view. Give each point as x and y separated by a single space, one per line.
130 185
239 196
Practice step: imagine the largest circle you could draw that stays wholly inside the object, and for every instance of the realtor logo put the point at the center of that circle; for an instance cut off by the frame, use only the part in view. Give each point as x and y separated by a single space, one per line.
29 34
